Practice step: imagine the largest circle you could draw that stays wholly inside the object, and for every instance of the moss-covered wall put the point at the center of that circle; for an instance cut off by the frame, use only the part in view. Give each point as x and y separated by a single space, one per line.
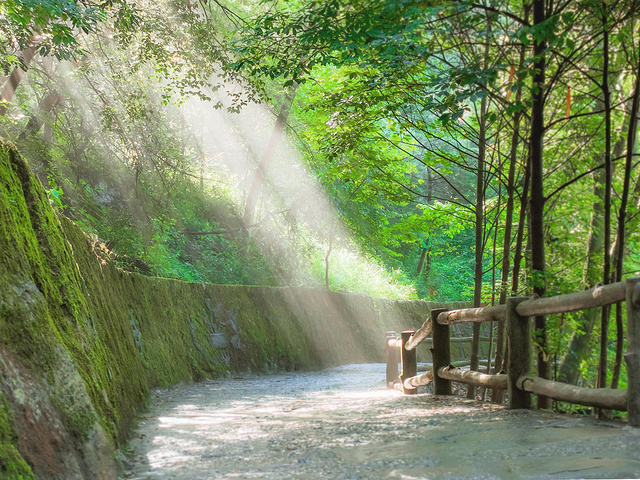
81 342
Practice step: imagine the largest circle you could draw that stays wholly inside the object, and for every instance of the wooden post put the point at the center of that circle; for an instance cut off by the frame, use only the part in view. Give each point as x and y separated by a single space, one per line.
632 357
440 353
409 363
519 360
392 360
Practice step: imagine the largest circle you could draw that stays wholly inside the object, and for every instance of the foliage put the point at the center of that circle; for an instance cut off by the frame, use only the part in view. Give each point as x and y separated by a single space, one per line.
52 27
393 96
413 116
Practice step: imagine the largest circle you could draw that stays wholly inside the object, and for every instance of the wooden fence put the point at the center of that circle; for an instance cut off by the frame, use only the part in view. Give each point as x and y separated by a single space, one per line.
520 384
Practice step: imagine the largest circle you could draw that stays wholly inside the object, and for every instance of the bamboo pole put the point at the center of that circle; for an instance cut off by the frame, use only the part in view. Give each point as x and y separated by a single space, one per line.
440 353
632 357
593 397
519 361
474 378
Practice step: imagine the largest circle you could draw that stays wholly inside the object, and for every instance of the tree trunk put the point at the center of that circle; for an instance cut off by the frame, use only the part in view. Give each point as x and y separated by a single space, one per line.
479 224
604 323
622 219
577 349
326 258
12 83
423 255
536 233
267 156
517 261
508 226
47 104
479 230
517 254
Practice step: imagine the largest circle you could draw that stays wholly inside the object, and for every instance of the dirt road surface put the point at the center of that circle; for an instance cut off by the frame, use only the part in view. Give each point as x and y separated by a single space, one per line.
342 423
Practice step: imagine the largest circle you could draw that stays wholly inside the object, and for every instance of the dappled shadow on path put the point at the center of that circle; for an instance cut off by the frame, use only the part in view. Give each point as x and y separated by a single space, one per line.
342 423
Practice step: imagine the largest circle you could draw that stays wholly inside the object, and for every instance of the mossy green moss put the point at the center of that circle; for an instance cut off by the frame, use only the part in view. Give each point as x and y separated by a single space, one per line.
95 339
12 465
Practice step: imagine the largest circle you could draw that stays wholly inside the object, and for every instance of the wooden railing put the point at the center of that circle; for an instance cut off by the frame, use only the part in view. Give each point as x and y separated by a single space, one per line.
520 384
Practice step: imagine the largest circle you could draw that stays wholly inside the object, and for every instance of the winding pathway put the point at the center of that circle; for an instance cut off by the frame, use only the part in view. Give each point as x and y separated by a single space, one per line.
342 423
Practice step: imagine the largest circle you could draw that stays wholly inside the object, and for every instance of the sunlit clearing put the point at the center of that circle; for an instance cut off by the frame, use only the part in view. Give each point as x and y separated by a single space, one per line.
145 146
375 280
293 215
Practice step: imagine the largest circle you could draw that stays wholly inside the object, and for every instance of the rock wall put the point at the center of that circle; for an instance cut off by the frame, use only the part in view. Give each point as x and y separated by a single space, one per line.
82 342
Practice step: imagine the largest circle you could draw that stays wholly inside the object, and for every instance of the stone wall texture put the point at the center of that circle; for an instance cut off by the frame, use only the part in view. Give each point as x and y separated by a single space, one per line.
82 342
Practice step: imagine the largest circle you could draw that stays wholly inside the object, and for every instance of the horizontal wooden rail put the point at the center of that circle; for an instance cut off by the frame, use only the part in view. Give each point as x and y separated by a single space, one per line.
397 343
517 313
419 380
483 314
461 363
473 378
571 302
460 339
466 363
594 297
394 342
592 397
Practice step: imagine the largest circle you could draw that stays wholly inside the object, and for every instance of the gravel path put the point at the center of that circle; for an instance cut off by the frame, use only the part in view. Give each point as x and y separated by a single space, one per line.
342 423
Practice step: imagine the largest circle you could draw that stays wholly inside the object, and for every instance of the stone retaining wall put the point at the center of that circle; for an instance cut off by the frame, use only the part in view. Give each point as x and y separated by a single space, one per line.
82 342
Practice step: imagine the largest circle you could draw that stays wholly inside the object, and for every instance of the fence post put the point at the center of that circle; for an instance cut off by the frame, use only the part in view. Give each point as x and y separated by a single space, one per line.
409 362
632 357
392 360
519 360
440 353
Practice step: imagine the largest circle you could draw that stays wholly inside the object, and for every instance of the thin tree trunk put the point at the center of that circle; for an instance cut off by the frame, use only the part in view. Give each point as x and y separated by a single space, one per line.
577 350
47 104
522 219
15 78
538 264
326 258
508 226
604 323
267 156
202 173
427 266
579 345
493 277
498 395
631 142
423 255
479 230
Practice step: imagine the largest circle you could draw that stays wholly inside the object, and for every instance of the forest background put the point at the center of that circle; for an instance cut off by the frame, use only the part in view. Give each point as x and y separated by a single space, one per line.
448 150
